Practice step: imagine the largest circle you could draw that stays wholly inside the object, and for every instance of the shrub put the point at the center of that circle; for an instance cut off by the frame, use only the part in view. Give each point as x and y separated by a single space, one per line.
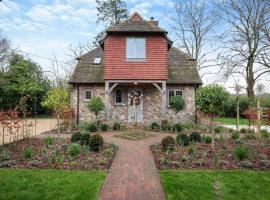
187 126
48 141
218 129
235 135
84 127
207 139
177 103
243 130
182 139
265 133
96 142
250 137
231 130
177 128
168 143
104 127
195 137
92 127
116 126
166 127
75 149
85 139
192 150
28 152
155 126
241 152
76 137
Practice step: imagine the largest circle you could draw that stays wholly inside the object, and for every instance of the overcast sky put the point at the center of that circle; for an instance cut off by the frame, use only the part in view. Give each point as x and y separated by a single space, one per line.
46 28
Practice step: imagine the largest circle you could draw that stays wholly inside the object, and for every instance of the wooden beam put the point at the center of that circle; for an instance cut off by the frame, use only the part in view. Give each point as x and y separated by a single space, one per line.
158 87
113 86
164 98
107 97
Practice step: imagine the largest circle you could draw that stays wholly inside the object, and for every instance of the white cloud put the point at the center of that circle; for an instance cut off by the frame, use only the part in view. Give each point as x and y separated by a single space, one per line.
142 8
7 7
41 13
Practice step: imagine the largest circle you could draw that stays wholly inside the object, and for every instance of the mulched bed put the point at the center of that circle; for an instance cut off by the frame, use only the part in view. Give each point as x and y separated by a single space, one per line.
49 157
222 157
134 134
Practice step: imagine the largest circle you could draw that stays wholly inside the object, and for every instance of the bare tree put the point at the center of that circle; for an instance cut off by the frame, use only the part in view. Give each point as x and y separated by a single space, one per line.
243 40
194 22
4 52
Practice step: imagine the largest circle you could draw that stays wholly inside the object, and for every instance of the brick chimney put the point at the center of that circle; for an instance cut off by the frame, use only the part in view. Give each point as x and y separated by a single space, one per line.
153 22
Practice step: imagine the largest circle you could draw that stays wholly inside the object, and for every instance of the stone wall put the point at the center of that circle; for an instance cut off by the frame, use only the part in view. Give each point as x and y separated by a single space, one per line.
151 104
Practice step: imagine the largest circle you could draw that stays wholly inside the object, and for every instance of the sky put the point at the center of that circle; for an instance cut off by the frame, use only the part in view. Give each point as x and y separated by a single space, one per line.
44 29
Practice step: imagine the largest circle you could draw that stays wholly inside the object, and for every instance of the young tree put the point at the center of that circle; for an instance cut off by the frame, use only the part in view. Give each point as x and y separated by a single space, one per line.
212 100
177 103
57 99
96 105
4 53
244 39
194 22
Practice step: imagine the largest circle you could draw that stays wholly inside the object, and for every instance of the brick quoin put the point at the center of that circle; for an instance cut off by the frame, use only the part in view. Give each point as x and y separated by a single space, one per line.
116 67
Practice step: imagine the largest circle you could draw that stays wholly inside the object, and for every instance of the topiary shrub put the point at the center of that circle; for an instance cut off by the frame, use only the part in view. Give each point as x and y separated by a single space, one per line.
168 143
155 126
28 152
104 127
96 142
195 137
116 126
182 139
265 134
243 130
207 139
177 103
218 129
85 139
235 135
76 137
75 149
241 152
177 128
48 141
166 127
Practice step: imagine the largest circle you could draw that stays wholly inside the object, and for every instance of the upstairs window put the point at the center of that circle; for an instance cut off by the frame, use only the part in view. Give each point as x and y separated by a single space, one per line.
97 61
135 49
118 96
87 95
175 93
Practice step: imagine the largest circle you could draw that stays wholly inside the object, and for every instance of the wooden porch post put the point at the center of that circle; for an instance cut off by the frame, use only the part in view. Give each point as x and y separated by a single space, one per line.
107 98
164 98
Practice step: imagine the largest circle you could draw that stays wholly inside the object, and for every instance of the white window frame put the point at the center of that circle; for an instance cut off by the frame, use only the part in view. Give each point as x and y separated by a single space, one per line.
84 95
117 103
97 61
135 57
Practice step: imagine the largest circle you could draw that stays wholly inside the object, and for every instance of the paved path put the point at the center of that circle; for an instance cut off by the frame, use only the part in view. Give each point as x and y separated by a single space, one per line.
133 175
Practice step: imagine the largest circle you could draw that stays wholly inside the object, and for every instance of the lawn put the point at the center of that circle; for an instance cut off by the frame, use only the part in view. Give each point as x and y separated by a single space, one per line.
232 121
206 185
18 184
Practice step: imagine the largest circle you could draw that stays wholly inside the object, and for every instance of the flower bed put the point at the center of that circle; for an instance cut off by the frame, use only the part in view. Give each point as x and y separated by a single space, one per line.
202 156
39 153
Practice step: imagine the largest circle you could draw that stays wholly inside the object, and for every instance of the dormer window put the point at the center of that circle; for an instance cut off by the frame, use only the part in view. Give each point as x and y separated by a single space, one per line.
97 61
135 49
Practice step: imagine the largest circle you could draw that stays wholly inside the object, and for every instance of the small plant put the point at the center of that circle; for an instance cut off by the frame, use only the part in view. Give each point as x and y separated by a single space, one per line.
28 152
96 142
182 139
192 150
241 152
75 149
168 143
76 137
85 139
218 129
155 126
187 126
184 158
104 127
235 135
166 127
207 139
92 127
84 127
48 141
250 137
195 137
116 126
177 128
243 130
231 130
265 134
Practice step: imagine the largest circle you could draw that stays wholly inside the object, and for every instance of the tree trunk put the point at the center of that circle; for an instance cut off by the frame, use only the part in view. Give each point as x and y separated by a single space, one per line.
250 79
237 115
212 132
58 126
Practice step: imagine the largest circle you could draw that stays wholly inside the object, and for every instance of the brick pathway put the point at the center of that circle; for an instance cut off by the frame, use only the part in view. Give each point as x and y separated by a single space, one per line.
133 175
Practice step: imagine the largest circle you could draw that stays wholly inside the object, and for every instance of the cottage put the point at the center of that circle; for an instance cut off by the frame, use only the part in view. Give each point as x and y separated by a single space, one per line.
135 71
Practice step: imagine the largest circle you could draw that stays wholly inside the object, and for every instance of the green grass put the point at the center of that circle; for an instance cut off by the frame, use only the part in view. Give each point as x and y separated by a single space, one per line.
234 185
23 184
231 121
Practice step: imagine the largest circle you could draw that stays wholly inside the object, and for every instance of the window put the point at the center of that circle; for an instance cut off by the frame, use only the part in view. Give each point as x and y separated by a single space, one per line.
175 93
135 49
87 95
97 61
118 96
